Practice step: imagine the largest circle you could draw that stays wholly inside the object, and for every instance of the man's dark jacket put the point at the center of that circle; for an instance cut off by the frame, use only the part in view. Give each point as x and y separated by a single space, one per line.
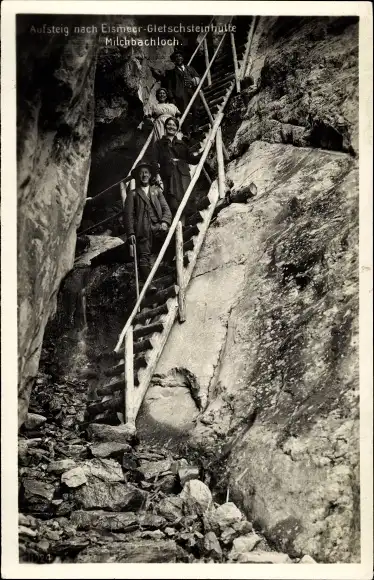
175 85
143 214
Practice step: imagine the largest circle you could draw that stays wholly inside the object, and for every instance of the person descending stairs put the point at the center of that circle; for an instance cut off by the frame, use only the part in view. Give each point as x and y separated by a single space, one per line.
129 368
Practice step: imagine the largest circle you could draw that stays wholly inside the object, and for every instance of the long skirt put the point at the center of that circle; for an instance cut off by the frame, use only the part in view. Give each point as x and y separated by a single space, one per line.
175 187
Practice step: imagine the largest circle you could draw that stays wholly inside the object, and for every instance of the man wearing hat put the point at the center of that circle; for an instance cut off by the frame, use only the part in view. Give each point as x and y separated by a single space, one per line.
147 217
181 83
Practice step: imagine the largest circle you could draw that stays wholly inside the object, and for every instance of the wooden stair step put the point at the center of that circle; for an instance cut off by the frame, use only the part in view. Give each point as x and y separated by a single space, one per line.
189 232
161 296
216 87
109 356
194 219
112 403
202 128
217 101
114 385
140 362
164 281
108 417
219 92
142 345
204 203
201 111
189 245
148 329
150 313
115 370
222 76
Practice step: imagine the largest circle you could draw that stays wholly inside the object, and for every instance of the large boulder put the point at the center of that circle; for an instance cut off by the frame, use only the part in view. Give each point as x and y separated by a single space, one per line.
109 496
285 292
196 496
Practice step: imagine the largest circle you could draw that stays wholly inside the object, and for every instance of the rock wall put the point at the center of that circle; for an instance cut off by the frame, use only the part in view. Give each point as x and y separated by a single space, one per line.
273 308
55 125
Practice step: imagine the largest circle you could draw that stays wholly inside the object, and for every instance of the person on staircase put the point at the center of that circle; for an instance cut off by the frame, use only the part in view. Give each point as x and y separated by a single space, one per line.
173 156
147 218
181 83
161 111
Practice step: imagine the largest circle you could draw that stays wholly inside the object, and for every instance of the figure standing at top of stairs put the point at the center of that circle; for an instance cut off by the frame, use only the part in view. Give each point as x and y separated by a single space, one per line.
181 83
174 156
147 217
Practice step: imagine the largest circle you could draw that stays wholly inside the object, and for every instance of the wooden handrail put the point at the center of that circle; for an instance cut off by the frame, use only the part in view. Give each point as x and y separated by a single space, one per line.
200 43
172 229
198 88
248 47
149 137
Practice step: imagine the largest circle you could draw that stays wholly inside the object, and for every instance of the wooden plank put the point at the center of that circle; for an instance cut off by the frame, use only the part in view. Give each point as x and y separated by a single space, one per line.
114 402
148 329
192 100
128 395
195 218
180 276
243 64
199 240
221 165
116 384
150 313
206 56
115 370
190 231
145 375
206 107
171 231
164 281
142 345
200 43
189 245
161 296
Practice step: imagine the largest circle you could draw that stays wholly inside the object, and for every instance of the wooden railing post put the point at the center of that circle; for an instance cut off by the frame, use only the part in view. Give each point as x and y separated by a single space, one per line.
180 274
206 54
221 166
172 229
235 58
244 62
129 377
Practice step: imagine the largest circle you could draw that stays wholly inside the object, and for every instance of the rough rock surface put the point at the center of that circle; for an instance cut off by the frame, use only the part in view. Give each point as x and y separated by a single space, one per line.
55 125
145 551
304 89
286 355
196 496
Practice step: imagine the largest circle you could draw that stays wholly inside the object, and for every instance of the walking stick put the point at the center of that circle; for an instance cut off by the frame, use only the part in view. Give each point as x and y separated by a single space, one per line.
134 255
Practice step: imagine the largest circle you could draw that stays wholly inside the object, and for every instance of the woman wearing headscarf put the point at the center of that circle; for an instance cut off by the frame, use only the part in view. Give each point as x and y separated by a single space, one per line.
174 157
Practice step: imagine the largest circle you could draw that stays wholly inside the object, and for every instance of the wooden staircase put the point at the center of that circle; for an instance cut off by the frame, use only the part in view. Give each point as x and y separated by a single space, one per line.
129 368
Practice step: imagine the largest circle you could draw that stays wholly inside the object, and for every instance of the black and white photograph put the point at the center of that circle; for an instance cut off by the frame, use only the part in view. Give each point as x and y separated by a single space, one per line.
189 208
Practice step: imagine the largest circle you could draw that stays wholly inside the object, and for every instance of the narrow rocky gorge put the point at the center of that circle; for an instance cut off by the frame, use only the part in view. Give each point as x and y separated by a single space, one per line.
246 448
